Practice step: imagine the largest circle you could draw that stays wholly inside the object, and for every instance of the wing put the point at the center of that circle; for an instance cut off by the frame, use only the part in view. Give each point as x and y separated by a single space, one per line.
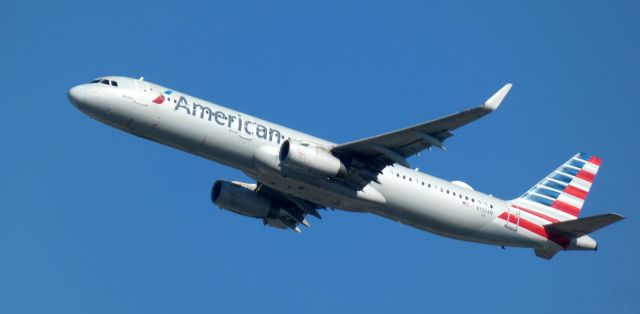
394 147
292 210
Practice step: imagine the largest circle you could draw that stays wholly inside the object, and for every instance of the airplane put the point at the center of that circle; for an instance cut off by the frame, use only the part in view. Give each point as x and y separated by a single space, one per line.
297 174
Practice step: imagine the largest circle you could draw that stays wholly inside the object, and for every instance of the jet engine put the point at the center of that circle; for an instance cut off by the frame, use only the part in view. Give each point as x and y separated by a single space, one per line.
310 159
240 198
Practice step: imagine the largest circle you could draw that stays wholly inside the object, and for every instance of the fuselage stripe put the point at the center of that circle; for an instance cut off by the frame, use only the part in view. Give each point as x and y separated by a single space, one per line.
586 175
569 209
579 193
577 163
537 229
595 160
539 199
535 213
554 185
570 171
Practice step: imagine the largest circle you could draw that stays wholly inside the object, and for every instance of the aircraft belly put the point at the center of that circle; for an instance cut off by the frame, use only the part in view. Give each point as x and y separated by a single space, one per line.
318 190
451 223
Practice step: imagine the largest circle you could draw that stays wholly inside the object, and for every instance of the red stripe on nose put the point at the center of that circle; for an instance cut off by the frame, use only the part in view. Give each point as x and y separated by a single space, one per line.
159 100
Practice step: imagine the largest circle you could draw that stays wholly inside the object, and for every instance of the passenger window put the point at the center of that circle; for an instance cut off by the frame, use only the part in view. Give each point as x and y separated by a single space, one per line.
490 206
404 177
473 200
422 182
114 83
410 179
466 198
447 191
454 193
460 195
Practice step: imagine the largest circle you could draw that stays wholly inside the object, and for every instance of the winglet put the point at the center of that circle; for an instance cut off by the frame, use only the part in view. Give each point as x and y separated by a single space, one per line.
494 101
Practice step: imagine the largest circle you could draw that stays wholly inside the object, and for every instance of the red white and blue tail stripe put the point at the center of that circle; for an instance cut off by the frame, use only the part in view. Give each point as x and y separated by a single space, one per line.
561 195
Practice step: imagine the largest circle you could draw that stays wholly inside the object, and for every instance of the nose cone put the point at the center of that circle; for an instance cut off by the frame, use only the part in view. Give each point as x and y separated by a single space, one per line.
78 95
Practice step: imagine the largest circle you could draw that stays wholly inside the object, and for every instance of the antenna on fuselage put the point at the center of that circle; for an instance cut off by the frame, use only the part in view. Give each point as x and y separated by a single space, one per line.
141 78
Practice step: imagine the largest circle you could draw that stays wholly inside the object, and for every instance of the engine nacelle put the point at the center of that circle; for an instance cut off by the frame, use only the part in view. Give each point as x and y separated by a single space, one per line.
240 198
310 159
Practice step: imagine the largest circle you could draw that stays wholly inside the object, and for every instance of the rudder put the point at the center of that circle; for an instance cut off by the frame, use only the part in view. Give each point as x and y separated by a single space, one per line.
561 195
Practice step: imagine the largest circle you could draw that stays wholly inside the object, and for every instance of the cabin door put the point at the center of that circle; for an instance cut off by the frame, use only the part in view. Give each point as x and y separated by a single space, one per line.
513 217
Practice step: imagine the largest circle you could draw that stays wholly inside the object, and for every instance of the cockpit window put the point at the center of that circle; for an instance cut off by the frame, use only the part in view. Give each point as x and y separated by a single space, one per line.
105 82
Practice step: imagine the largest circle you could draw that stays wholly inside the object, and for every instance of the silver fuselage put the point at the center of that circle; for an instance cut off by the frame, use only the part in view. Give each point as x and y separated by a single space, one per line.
233 138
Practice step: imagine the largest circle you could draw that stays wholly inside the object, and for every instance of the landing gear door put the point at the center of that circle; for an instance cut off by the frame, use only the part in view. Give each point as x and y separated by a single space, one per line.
513 217
141 96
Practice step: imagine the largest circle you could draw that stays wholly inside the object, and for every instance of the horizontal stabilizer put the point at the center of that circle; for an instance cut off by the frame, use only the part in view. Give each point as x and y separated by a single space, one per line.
583 226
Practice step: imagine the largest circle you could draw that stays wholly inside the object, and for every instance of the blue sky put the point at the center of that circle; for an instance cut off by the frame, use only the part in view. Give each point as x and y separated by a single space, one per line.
93 220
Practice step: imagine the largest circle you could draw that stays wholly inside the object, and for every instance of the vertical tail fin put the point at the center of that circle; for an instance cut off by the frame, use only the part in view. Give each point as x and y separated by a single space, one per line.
561 195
